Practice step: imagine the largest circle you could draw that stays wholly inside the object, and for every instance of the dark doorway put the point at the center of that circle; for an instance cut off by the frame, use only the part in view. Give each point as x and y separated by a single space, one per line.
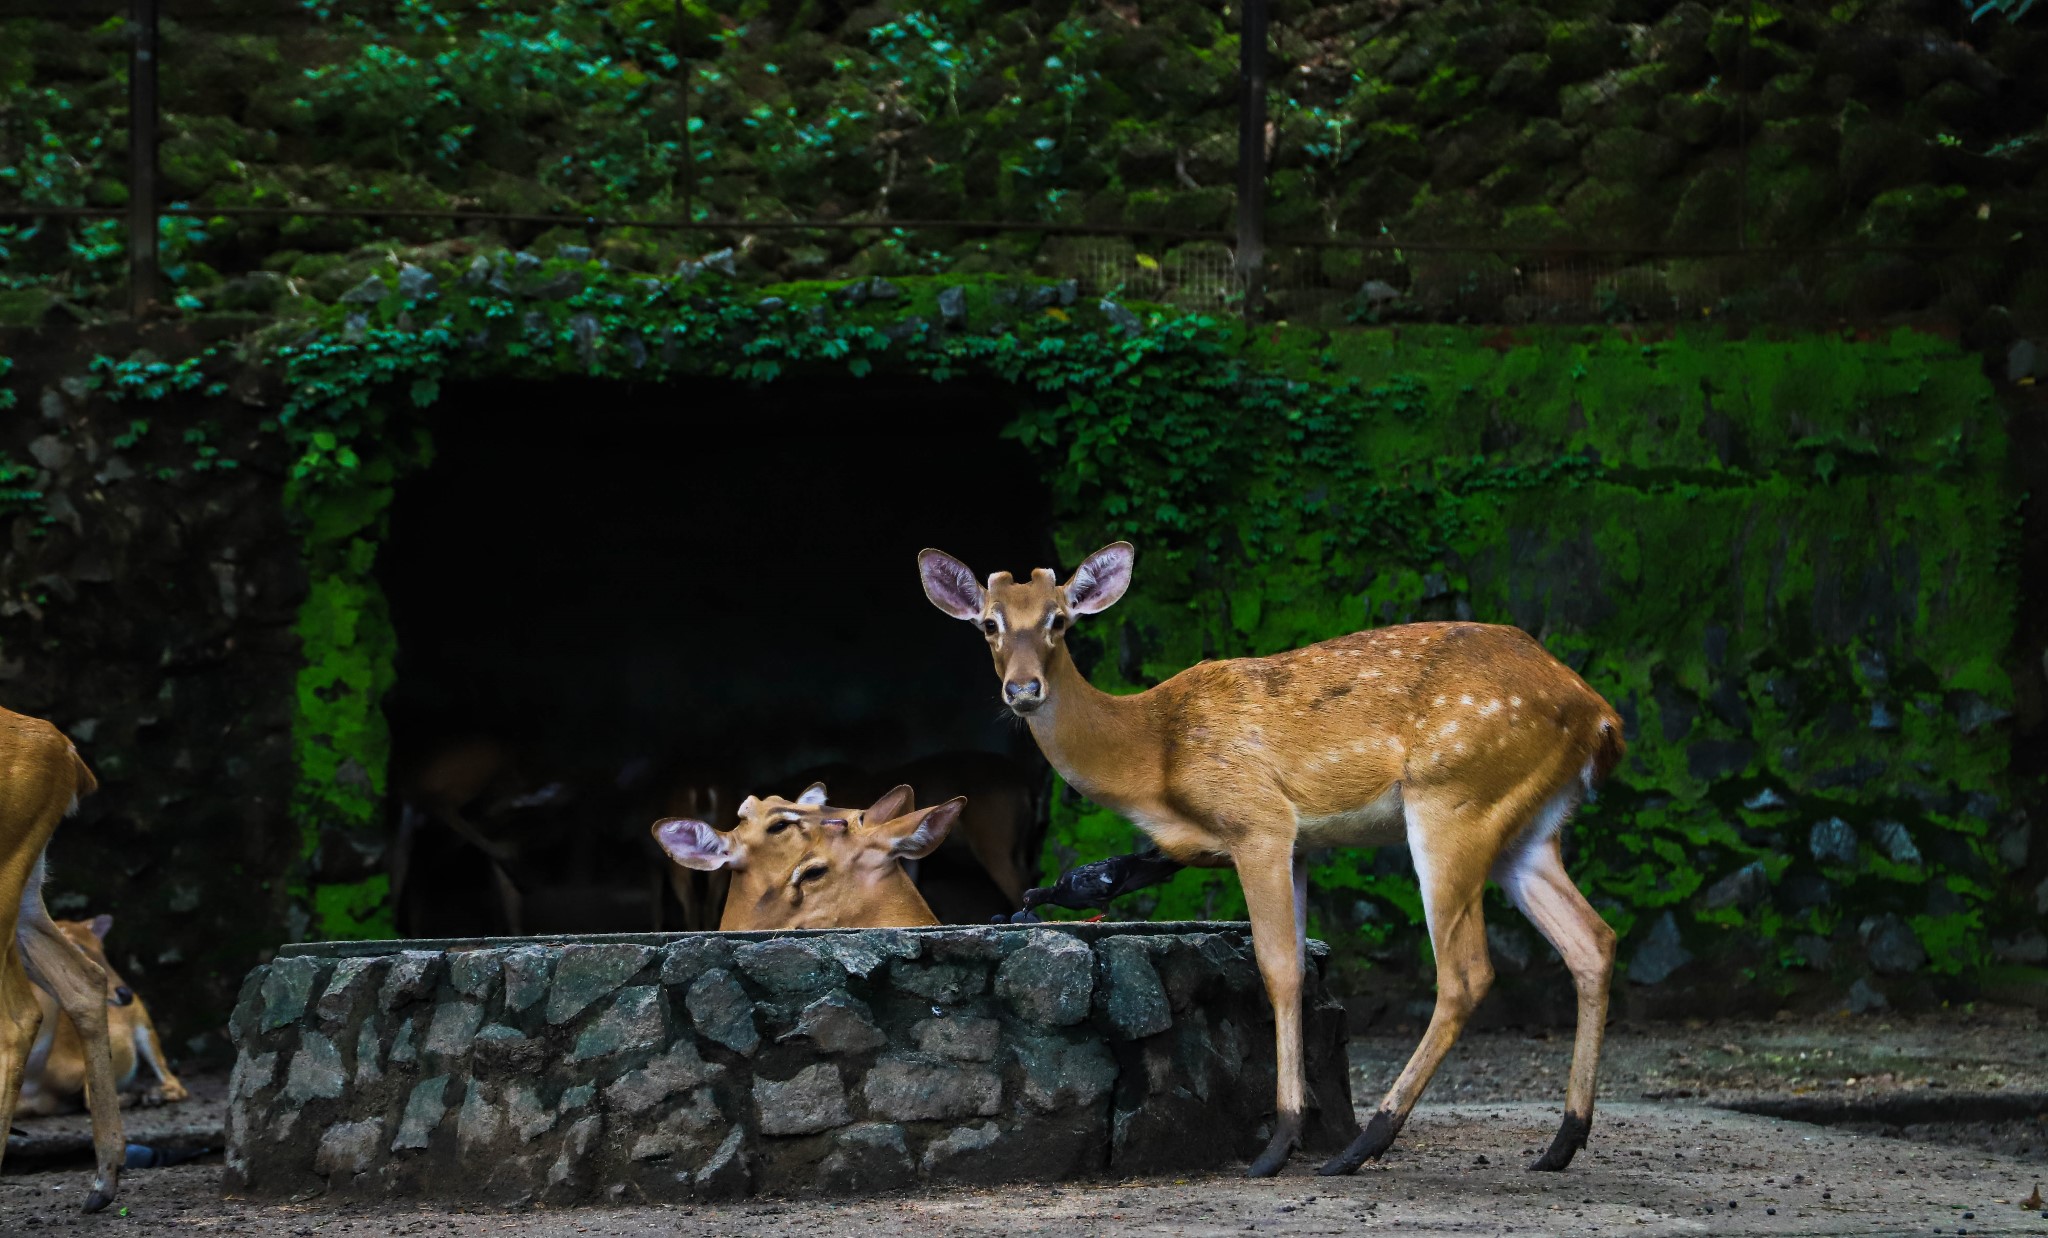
609 598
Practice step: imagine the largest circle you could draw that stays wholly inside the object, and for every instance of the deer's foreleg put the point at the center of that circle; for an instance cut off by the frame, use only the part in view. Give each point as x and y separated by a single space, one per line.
1547 896
1452 884
1266 872
80 988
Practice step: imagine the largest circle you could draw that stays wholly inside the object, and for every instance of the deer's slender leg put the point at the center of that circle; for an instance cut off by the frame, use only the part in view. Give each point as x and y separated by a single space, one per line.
20 1018
1561 913
1301 911
1266 872
1453 882
80 988
168 1088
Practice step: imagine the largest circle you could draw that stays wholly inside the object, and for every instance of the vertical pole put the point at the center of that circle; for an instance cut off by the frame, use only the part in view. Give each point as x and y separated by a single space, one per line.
1251 153
142 130
683 92
1742 129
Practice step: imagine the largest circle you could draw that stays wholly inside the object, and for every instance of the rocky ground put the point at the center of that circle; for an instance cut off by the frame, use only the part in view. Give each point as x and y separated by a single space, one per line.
1665 1156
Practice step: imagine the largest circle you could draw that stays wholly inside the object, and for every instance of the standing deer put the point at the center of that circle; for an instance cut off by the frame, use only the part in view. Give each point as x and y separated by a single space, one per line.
42 778
1466 739
801 864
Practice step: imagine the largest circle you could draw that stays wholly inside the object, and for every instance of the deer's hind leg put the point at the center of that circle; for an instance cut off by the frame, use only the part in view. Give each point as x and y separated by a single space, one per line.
1541 888
80 988
1451 859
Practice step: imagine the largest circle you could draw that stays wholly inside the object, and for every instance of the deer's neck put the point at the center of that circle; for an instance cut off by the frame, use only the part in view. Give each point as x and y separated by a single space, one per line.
1107 747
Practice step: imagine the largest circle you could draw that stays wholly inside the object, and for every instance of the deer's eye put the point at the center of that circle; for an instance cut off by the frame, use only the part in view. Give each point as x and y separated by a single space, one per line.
778 827
812 873
989 626
1058 622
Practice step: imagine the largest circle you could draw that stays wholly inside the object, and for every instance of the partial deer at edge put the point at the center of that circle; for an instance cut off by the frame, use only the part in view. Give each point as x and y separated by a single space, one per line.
42 778
1469 741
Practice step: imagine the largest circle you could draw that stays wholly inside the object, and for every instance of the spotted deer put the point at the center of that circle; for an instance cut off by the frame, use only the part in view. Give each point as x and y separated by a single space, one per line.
42 778
803 864
1465 740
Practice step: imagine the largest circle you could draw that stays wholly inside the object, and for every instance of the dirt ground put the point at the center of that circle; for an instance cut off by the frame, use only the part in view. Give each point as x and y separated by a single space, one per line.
1664 1159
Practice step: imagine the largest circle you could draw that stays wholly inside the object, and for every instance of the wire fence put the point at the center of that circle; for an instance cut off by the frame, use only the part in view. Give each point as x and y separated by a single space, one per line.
1328 278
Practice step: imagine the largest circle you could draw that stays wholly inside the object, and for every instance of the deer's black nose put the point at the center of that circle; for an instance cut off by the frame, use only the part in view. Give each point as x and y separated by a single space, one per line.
1030 688
123 995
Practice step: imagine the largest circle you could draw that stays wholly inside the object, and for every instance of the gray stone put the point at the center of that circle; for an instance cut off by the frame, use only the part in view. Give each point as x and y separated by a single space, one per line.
1973 713
1815 950
2029 947
1509 948
787 966
575 1150
723 1012
415 283
349 1148
963 1040
424 1109
287 987
585 974
315 1072
1832 841
351 982
412 976
2021 360
479 271
953 305
1136 1002
814 1100
839 1023
1864 997
688 1128
453 1027
882 290
402 1047
1892 839
526 1113
864 953
721 261
1766 800
869 1157
369 1050
1061 1073
677 1070
948 984
1745 887
527 971
1661 953
2014 844
474 973
683 961
1120 318
369 292
636 1020
1890 945
906 1089
1050 981
972 943
577 1097
944 1154
727 1175
477 1122
252 1073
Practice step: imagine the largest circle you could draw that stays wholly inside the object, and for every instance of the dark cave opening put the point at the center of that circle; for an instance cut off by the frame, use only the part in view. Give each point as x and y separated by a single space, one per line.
615 603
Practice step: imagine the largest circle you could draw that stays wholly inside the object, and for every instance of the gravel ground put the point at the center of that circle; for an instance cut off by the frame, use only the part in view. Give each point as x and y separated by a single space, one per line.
1663 1158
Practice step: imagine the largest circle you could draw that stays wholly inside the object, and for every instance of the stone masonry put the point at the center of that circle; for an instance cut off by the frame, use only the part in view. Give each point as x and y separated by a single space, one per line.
715 1065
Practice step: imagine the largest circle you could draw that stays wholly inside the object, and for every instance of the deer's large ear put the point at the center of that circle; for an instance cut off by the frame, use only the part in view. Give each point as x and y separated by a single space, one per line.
1101 579
918 834
694 844
813 796
893 804
950 584
101 924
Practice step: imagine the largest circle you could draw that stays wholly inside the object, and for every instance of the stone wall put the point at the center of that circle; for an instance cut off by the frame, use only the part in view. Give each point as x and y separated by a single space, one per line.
713 1065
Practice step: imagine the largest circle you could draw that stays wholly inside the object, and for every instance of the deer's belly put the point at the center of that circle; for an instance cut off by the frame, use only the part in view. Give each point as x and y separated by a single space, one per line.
1375 824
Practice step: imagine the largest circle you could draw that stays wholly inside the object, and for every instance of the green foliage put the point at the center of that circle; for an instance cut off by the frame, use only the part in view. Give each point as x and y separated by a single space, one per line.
1770 554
